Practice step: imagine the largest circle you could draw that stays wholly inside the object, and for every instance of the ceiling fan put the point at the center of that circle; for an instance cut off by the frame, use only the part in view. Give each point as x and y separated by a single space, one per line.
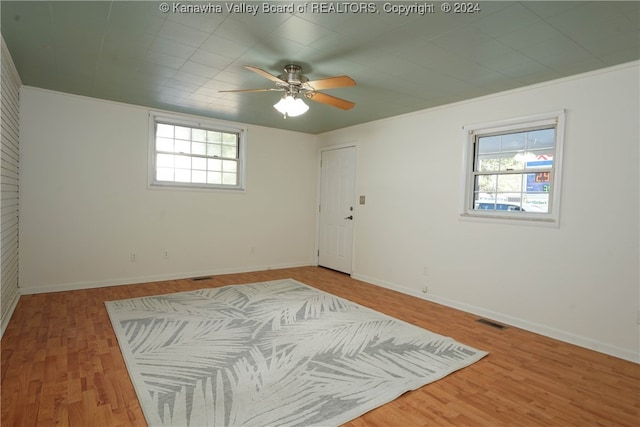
294 84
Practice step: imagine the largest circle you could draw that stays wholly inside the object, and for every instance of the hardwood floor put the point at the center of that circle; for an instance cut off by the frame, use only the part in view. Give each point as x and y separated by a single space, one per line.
61 364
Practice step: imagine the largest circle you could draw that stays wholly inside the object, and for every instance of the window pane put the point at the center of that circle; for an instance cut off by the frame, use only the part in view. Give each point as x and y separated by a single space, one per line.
213 136
183 133
183 146
509 183
199 135
229 178
488 163
541 138
199 148
501 162
486 183
199 163
183 162
487 203
214 150
539 182
164 174
183 175
512 161
214 165
539 159
488 144
165 160
214 177
229 151
229 138
513 142
164 131
229 166
484 201
164 144
536 202
199 177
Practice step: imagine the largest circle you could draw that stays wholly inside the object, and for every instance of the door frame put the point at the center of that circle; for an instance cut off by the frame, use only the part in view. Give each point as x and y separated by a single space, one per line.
316 249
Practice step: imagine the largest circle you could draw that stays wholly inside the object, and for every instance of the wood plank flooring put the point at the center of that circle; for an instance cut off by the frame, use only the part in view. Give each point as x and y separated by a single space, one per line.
61 364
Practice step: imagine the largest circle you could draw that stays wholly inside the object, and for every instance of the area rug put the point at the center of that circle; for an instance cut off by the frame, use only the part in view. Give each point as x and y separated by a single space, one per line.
276 353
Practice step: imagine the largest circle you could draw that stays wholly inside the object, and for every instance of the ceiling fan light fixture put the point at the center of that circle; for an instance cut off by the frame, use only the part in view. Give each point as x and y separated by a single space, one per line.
290 106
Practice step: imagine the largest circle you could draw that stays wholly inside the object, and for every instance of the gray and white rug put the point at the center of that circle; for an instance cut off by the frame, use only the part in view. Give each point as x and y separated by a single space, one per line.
276 353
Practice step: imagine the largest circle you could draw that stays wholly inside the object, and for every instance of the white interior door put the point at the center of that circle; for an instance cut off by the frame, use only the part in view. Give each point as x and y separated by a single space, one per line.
337 203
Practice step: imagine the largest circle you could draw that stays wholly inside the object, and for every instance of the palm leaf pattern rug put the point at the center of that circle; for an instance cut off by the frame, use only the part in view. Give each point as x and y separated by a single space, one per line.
277 353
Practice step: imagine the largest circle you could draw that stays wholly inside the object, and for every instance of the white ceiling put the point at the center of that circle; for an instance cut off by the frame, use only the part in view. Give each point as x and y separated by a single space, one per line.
133 52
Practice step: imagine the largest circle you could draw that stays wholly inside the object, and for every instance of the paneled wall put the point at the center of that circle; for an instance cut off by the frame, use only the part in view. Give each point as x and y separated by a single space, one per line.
9 184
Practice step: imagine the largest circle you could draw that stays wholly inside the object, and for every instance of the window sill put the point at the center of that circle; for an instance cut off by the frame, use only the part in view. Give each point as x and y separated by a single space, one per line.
510 220
194 187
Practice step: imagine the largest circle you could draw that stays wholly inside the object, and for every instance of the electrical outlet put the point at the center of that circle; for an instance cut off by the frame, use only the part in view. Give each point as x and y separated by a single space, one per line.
425 289
132 257
165 254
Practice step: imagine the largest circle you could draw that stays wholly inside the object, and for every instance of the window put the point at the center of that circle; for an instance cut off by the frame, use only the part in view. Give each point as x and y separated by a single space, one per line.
512 169
195 154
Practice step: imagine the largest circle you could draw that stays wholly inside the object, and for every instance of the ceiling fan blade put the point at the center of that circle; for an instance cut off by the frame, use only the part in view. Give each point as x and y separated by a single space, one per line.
330 100
264 74
252 90
331 82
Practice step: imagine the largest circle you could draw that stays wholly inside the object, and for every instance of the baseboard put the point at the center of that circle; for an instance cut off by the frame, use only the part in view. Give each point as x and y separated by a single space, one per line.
5 320
61 287
537 328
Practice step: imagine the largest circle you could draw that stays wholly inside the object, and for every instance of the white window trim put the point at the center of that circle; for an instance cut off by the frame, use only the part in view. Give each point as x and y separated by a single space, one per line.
550 219
193 121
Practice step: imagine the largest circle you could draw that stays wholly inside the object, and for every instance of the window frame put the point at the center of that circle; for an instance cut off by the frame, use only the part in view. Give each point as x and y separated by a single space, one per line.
515 125
196 123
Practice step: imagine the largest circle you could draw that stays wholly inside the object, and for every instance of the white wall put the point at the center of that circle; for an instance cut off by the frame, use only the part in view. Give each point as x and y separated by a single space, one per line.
578 282
86 206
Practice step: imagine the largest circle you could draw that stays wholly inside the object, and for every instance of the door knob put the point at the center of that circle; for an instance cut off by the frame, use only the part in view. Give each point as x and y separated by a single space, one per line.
349 217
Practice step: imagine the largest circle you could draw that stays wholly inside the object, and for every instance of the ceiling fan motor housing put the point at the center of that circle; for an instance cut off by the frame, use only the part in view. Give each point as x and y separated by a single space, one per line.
293 75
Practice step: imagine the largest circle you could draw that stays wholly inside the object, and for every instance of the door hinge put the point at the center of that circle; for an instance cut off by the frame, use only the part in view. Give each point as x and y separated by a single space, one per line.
318 252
